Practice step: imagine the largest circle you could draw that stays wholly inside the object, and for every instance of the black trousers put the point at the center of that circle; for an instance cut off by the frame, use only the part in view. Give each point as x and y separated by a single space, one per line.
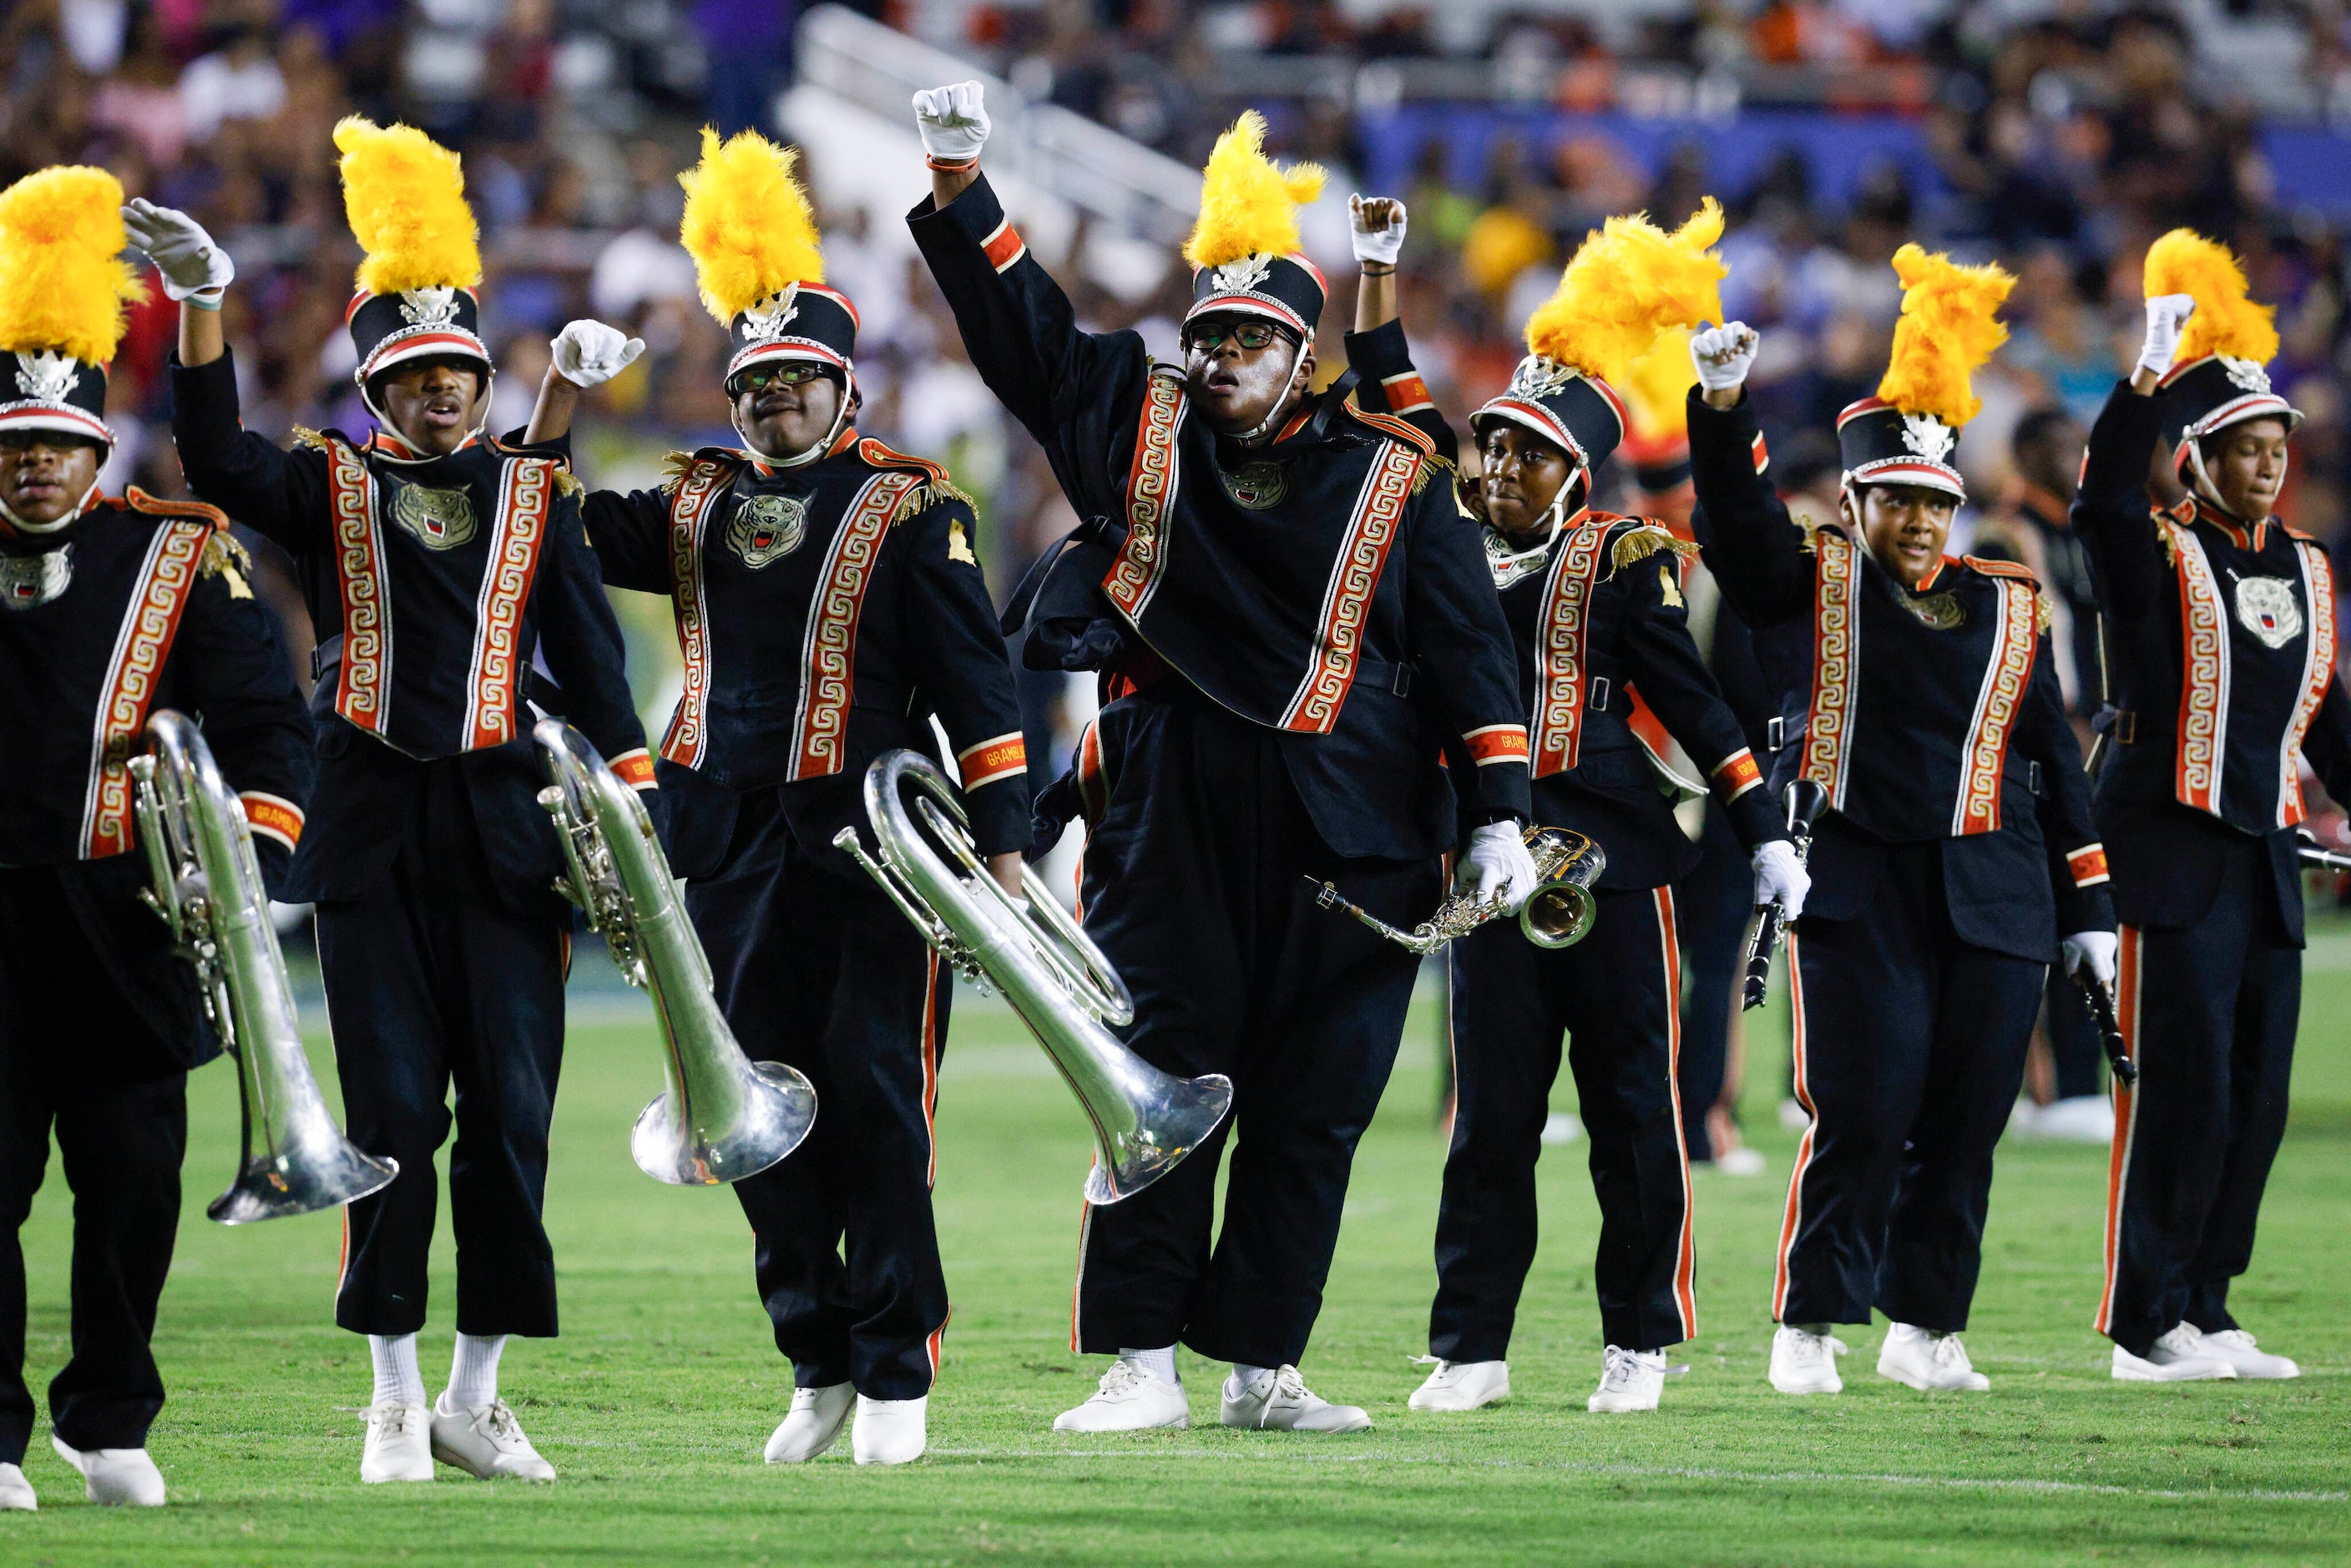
2210 1011
1194 887
1615 995
815 968
71 1059
432 982
1714 902
1909 1050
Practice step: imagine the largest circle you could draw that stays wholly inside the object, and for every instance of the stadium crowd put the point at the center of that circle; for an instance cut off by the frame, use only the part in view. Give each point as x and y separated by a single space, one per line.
2060 137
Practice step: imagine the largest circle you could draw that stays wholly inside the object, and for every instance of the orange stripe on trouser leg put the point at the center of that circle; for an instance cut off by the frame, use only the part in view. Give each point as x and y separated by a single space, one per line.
1792 1219
2129 968
930 1066
1078 1285
1686 1248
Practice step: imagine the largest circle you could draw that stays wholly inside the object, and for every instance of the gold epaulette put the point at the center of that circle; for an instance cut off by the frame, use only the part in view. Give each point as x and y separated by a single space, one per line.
1643 539
924 496
222 556
567 483
306 436
675 467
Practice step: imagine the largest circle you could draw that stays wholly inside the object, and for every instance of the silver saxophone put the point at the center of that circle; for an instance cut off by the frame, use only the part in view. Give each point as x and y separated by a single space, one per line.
207 887
722 1116
1558 913
1145 1121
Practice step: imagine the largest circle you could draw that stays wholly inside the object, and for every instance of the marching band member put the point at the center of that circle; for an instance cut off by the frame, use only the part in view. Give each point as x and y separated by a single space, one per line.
1919 691
829 602
108 608
2222 634
1595 608
434 560
1290 617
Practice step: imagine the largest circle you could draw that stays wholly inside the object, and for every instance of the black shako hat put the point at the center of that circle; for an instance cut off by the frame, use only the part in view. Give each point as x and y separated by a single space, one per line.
1286 289
806 321
1577 412
2205 395
1883 446
389 330
51 389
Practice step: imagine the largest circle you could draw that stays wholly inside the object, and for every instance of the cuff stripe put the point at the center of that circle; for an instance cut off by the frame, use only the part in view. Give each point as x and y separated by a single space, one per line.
1004 245
1406 393
1736 774
991 761
1497 743
275 815
2088 865
634 768
1761 452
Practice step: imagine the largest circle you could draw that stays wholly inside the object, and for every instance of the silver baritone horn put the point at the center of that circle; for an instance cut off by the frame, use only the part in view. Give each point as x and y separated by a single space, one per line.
722 1117
1145 1121
1559 915
207 887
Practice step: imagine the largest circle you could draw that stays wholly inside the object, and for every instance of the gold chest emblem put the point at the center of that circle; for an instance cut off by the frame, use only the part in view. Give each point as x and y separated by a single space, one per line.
29 581
1940 612
1258 485
766 528
437 519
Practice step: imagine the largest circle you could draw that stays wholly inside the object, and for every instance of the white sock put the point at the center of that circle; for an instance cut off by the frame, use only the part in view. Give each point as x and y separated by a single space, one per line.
1160 1364
397 1380
474 1371
1245 1375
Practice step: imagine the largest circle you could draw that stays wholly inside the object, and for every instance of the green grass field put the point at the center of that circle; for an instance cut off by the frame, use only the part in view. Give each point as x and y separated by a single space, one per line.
655 1403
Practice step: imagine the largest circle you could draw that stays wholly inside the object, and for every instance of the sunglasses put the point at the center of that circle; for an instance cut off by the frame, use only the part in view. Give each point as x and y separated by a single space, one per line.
1249 335
759 378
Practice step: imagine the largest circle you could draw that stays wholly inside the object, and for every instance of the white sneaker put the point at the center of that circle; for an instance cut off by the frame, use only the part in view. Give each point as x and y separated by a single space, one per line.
1926 1360
1278 1400
1793 1117
398 1444
1741 1161
2076 1119
1560 1129
1463 1385
815 1421
890 1431
2178 1356
16 1491
114 1476
2236 1347
1629 1380
485 1441
1805 1363
1129 1399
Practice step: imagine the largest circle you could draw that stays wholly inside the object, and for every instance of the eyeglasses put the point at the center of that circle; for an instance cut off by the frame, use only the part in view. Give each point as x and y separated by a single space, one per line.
1249 335
759 378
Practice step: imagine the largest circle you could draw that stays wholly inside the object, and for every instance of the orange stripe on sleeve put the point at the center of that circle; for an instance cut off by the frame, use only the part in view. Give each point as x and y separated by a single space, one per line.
1406 393
274 815
1763 454
1497 743
634 768
1004 246
2088 865
991 761
1736 774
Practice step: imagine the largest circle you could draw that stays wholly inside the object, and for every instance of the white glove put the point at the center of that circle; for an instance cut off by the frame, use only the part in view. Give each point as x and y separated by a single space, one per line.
2094 949
2166 314
1498 866
951 122
186 256
588 353
1723 355
1378 241
1780 876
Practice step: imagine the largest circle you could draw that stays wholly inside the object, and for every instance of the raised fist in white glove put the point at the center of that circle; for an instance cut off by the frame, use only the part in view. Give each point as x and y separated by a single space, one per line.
2165 315
2092 949
186 256
953 123
589 353
1378 226
1723 355
1497 866
1780 877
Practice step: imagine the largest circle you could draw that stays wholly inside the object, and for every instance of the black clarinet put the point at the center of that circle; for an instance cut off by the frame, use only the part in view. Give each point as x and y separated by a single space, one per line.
1805 799
2101 998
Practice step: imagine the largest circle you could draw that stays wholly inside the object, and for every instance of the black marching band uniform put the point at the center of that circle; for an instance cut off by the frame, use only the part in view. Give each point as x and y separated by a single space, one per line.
125 607
2222 634
1598 622
826 610
1957 848
1288 634
454 598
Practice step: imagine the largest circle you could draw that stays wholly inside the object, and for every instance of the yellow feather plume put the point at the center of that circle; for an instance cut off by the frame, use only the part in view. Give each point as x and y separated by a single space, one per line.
747 223
1626 284
1247 205
1656 387
404 194
1947 329
2226 322
63 281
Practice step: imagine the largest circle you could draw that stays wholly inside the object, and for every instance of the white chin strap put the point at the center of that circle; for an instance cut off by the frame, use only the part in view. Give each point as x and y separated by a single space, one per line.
70 517
1281 404
824 443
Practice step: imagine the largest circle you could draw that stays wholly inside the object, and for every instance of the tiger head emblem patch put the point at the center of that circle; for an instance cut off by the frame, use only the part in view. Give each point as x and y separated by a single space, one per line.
437 519
766 528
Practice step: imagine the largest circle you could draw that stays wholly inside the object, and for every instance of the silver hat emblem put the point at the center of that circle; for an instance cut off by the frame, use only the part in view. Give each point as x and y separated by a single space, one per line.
47 376
765 322
1927 436
435 307
1245 273
1537 378
2250 375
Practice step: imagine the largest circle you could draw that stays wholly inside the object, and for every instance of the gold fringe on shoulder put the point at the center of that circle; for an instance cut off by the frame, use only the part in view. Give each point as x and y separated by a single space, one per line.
1639 543
223 557
567 483
934 493
2227 322
675 467
1948 329
63 281
306 436
1248 205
